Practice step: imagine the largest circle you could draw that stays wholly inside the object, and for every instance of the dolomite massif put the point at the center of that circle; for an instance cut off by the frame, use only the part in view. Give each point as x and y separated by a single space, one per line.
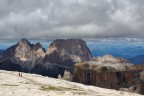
74 55
61 55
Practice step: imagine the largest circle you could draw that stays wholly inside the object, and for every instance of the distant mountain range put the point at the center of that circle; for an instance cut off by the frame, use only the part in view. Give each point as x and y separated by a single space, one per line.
125 48
1 52
137 59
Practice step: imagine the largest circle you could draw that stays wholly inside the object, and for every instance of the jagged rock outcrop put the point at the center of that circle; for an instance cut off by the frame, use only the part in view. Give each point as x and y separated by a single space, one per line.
23 50
110 73
25 54
67 52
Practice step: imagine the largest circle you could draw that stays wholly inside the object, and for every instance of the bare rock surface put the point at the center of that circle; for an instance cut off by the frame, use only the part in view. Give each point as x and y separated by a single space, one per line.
67 52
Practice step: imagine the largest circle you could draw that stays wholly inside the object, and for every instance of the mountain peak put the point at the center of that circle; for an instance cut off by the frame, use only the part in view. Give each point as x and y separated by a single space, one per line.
37 46
24 41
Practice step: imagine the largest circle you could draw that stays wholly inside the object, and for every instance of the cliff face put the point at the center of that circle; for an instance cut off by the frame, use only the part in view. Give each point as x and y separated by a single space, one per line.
66 52
114 76
111 80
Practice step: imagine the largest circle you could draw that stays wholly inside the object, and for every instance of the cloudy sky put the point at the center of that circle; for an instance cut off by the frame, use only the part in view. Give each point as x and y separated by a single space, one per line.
43 19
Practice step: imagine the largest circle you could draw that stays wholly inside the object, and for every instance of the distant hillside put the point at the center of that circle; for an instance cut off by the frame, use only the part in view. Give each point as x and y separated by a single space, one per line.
137 59
1 51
